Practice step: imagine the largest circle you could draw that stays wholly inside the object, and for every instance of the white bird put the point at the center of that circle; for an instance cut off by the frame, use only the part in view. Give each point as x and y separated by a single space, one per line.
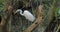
26 14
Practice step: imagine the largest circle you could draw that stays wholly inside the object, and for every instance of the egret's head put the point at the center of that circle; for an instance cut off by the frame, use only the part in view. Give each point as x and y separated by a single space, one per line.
19 10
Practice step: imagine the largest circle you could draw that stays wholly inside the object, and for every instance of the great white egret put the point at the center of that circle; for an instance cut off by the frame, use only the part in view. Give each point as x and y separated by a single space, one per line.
26 14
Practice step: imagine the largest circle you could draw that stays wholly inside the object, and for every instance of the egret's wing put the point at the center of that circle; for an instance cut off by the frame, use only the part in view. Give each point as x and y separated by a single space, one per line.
29 16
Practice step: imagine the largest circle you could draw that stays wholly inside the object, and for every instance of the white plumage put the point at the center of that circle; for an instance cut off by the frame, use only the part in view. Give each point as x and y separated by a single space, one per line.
26 14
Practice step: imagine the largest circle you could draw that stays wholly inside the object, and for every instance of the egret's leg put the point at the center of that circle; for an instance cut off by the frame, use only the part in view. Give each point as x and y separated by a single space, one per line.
29 22
26 23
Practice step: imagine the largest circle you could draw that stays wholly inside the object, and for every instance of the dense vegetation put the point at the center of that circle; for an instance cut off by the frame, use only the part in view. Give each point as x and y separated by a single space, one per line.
35 3
1 7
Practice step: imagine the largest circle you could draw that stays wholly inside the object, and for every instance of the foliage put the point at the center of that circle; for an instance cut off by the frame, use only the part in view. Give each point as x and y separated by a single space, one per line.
56 12
1 7
57 8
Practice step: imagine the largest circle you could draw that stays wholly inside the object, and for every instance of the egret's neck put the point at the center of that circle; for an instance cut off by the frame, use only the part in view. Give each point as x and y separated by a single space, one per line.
21 13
